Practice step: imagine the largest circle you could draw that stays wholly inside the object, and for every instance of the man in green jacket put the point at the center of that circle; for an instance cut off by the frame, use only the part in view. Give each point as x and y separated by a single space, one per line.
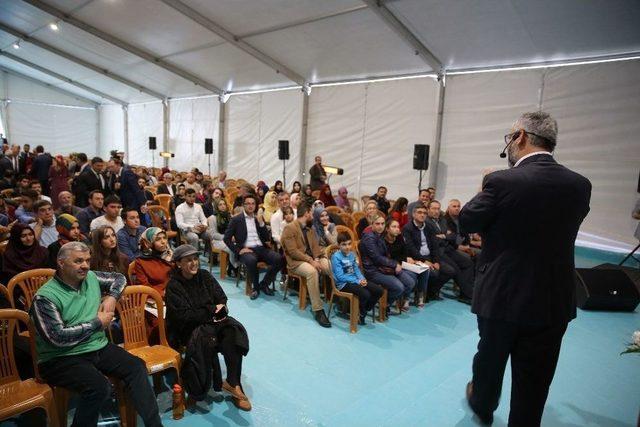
71 315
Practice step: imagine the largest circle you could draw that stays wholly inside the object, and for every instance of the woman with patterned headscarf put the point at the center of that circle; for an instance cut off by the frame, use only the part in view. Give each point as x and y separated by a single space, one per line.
325 230
68 229
152 268
270 205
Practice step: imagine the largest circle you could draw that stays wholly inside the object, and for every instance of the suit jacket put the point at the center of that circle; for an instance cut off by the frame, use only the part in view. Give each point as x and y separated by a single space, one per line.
131 195
236 233
162 189
40 166
318 177
413 240
85 183
528 217
22 165
449 242
295 249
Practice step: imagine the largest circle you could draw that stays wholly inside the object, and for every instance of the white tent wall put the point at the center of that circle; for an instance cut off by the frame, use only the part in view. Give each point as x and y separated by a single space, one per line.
111 130
190 122
597 108
38 115
369 130
145 120
598 111
255 123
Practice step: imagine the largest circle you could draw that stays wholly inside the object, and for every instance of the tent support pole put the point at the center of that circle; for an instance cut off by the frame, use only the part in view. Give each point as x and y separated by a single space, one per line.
165 130
303 136
435 154
125 127
222 149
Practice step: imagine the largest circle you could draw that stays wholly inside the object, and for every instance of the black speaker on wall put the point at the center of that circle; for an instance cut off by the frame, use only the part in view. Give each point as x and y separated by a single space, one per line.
605 289
152 143
421 157
208 146
283 149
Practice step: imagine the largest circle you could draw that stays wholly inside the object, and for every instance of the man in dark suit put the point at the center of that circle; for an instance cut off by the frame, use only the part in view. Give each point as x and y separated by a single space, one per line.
18 164
524 294
247 237
317 174
90 179
125 185
40 168
167 186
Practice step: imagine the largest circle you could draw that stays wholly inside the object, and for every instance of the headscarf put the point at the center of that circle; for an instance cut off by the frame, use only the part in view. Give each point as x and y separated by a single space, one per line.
275 187
308 199
294 199
342 200
270 205
18 257
64 223
222 219
148 236
326 199
319 228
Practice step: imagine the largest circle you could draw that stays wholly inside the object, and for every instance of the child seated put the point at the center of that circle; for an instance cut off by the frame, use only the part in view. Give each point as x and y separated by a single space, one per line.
349 278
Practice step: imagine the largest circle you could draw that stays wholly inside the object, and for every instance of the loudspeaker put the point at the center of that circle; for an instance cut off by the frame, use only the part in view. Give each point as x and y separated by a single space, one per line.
421 157
208 146
283 149
605 289
152 143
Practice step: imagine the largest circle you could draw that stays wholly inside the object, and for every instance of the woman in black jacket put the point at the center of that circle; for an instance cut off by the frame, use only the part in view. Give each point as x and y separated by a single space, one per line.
194 298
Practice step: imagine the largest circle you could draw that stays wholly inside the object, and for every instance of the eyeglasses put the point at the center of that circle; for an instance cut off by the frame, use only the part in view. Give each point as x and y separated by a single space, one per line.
509 137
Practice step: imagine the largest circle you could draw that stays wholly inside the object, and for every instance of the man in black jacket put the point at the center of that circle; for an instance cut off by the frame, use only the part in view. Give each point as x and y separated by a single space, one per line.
40 168
524 295
90 179
422 245
247 237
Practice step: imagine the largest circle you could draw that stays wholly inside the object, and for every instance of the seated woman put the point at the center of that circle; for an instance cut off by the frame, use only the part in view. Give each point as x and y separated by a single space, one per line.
278 187
270 205
195 300
326 196
370 209
307 196
23 252
342 200
398 251
399 211
105 255
379 267
152 268
68 229
325 230
348 278
261 190
297 187
218 224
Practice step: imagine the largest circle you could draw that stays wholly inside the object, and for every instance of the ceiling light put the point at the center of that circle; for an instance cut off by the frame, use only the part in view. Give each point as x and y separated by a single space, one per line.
16 45
54 26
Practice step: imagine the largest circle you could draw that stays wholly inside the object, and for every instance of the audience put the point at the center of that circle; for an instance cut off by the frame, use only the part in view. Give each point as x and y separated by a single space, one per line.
211 204
317 174
23 252
399 211
306 196
89 180
129 236
424 196
325 231
380 268
297 187
325 196
167 186
348 278
196 302
217 226
381 199
277 218
192 184
91 212
190 219
306 259
45 225
463 241
278 187
111 215
77 355
65 204
370 209
152 266
105 255
270 205
40 168
25 213
342 200
124 184
247 236
68 231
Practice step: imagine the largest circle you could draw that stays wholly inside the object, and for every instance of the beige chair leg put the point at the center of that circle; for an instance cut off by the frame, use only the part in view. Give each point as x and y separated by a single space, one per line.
302 293
61 397
53 419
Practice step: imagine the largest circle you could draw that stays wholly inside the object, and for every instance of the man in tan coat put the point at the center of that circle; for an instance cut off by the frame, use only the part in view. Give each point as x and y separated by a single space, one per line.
306 258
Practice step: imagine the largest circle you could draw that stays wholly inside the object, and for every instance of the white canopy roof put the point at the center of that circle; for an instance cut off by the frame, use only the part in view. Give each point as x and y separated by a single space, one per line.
159 48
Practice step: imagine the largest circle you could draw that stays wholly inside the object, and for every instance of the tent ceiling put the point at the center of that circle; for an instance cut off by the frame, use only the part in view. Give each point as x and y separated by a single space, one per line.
320 40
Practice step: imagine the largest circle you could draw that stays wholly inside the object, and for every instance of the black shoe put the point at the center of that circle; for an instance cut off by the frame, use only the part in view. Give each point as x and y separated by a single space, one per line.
254 294
464 300
484 419
321 318
361 321
267 290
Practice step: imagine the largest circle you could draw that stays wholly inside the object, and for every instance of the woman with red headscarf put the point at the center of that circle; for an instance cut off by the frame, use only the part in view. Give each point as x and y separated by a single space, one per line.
58 179
326 197
23 252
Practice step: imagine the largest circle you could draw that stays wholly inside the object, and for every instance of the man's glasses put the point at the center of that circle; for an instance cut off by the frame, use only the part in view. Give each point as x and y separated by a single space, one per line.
508 138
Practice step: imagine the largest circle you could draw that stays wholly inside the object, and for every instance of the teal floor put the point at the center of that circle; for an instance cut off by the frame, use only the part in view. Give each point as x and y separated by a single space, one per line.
411 370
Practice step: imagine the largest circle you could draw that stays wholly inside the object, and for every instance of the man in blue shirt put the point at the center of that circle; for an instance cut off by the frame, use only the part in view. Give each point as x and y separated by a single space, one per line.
91 212
129 235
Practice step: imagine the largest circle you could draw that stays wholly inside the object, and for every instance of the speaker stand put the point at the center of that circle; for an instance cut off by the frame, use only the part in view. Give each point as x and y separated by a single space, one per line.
420 182
153 159
631 255
209 155
284 174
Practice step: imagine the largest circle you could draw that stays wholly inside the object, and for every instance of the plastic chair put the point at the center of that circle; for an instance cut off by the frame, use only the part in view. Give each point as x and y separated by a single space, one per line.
357 216
131 273
164 200
335 210
348 220
3 247
365 199
159 217
355 203
4 293
316 194
21 396
29 282
345 229
248 287
224 261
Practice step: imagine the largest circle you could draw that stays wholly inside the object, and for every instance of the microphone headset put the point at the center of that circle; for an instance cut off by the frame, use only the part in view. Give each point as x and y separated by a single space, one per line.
504 151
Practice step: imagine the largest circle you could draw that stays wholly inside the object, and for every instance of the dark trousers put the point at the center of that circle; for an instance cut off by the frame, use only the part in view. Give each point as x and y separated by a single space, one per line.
85 375
464 271
232 355
534 354
437 278
367 295
251 259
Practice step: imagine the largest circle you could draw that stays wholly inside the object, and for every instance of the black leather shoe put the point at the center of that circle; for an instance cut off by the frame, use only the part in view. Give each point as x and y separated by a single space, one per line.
321 318
267 290
484 419
254 294
362 321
